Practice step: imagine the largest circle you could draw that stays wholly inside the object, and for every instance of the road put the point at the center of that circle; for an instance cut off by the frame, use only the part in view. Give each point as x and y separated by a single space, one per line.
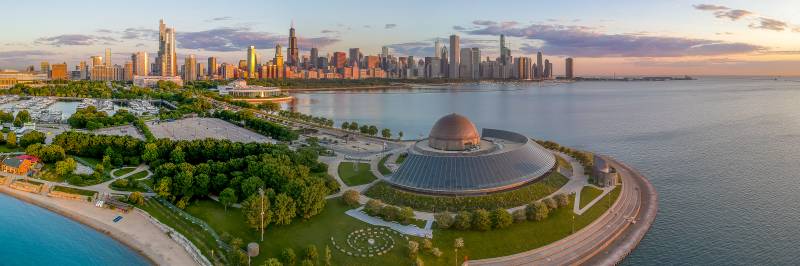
596 243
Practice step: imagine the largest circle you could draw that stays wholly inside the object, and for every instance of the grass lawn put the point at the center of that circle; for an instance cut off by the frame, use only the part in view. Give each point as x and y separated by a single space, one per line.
382 166
4 148
30 181
563 163
318 230
138 175
401 158
122 171
518 237
48 173
74 191
202 240
354 177
90 162
589 193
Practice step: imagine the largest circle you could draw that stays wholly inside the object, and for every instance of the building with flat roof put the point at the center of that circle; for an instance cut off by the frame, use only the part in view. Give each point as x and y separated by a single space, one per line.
455 160
152 81
239 90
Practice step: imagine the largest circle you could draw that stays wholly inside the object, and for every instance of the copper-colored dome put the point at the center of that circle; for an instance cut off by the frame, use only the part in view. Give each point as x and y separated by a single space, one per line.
453 132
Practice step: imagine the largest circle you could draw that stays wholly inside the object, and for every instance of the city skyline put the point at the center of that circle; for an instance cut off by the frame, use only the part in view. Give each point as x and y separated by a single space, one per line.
740 38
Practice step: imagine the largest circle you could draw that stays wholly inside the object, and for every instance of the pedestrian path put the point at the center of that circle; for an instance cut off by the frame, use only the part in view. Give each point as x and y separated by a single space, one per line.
403 229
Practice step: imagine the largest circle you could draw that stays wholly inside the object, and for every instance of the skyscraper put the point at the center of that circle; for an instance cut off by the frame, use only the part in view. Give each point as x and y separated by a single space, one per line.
212 67
568 71
294 56
251 61
166 60
476 63
278 61
59 72
385 51
354 54
140 64
547 69
539 66
314 57
127 71
97 60
465 65
190 68
108 58
84 70
437 47
339 59
44 67
455 56
503 58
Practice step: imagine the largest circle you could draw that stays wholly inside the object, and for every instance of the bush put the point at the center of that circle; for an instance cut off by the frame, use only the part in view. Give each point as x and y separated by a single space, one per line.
436 252
288 257
463 220
481 220
551 203
350 197
501 218
444 220
390 213
311 253
374 207
405 215
537 211
562 199
519 216
413 249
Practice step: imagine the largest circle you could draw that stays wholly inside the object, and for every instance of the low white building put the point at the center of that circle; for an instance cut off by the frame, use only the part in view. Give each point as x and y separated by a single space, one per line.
152 81
240 90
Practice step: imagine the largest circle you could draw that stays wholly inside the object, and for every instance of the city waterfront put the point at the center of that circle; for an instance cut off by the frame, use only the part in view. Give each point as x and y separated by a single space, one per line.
718 150
30 230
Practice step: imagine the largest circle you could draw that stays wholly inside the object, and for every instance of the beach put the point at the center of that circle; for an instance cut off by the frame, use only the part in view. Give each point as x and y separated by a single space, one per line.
134 230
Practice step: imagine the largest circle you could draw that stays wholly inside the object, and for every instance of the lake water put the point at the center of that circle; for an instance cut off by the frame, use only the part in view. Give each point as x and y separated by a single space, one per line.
722 153
35 236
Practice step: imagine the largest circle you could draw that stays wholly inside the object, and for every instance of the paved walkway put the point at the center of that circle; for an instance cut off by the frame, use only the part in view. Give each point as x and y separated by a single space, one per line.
105 187
403 229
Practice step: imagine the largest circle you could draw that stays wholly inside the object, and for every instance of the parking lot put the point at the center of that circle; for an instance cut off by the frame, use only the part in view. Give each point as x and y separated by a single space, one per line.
202 128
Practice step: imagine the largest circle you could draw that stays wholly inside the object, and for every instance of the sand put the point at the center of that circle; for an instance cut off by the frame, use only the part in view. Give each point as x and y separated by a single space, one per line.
134 230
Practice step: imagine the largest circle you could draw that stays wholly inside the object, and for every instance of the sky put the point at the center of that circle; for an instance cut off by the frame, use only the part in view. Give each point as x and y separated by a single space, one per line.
669 37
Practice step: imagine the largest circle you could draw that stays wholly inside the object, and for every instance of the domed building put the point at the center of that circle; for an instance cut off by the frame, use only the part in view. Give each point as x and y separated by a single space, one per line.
456 160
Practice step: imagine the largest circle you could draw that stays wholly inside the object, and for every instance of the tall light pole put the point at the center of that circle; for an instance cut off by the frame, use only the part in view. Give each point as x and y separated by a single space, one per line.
261 192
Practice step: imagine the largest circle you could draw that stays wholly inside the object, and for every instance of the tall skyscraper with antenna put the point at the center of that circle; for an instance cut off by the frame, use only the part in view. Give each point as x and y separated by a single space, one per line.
294 52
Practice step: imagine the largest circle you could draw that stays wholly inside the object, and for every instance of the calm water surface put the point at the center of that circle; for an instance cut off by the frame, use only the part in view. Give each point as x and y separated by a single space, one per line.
723 153
34 236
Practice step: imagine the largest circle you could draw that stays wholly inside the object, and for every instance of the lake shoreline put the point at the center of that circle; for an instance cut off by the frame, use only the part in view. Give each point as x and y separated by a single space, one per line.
82 212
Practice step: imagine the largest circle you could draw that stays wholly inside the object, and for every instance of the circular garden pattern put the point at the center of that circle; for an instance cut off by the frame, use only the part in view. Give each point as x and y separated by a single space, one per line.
369 242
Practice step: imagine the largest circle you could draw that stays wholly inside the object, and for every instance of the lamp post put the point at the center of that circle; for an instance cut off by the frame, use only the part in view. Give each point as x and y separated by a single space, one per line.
261 192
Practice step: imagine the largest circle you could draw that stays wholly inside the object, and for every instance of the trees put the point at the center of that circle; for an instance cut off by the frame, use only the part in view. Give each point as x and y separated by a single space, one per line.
311 253
23 116
328 255
252 208
406 215
372 130
345 126
400 135
537 211
31 138
501 218
136 198
251 185
272 262
270 106
227 197
562 200
150 152
481 220
65 167
351 197
444 220
284 209
47 153
463 220
353 126
11 139
386 133
374 207
288 257
519 216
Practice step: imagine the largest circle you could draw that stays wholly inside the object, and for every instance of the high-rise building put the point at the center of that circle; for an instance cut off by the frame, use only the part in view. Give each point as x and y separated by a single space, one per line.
465 65
294 52
547 70
455 56
278 61
97 60
201 71
212 67
443 65
354 56
385 51
59 72
190 68
107 59
476 63
243 65
83 70
569 68
127 71
227 71
437 47
314 57
166 61
251 61
140 64
539 66
523 65
339 59
44 67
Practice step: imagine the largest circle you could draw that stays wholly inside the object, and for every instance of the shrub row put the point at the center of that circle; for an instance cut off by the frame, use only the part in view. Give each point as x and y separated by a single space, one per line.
483 220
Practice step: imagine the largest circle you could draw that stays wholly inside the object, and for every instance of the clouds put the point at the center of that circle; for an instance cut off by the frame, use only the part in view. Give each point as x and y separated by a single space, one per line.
757 22
219 19
588 42
6 55
74 39
139 34
425 48
229 39
390 26
769 24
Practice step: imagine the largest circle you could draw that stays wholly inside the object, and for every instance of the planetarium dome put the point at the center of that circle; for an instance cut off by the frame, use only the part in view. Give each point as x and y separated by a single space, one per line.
453 132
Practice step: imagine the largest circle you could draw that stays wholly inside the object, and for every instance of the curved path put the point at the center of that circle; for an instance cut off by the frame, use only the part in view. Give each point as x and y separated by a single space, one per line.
607 240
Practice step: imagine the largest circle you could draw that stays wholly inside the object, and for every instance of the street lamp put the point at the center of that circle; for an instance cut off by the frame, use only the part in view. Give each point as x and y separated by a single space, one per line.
261 192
